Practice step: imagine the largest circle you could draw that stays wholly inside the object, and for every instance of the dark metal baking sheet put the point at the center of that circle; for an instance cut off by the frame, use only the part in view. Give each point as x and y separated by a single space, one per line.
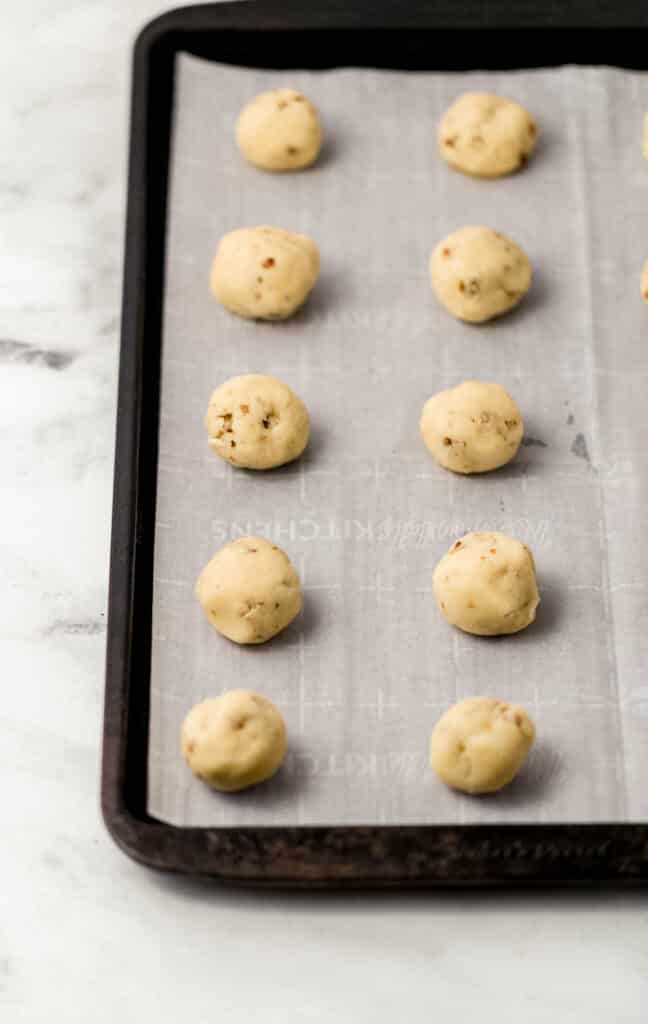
357 855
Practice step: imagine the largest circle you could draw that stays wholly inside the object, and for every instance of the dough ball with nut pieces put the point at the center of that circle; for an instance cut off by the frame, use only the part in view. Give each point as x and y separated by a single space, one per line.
473 428
486 585
234 741
486 136
480 744
257 422
644 282
264 273
279 130
478 274
249 591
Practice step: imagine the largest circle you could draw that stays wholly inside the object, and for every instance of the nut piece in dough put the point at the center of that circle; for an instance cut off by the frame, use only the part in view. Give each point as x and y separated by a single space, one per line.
486 584
478 274
264 273
256 422
480 744
279 131
234 741
486 136
249 590
644 283
472 428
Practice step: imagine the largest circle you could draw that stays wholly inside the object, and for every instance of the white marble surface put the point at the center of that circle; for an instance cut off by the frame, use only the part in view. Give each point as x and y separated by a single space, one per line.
85 935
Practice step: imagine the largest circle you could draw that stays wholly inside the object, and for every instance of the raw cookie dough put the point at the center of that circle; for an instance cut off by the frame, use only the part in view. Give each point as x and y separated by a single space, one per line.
486 584
480 744
279 131
644 283
256 422
234 741
486 136
472 428
478 273
249 590
264 273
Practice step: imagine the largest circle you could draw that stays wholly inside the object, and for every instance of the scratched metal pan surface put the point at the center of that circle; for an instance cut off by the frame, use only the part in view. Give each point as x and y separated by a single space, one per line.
364 672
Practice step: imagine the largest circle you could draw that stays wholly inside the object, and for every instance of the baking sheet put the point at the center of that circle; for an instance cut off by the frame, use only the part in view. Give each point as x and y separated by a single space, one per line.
368 667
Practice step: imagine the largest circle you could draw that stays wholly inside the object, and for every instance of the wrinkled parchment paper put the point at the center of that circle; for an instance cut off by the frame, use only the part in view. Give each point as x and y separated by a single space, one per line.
364 673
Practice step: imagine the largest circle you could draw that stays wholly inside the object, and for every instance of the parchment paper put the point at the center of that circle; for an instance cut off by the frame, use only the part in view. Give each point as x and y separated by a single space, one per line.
364 673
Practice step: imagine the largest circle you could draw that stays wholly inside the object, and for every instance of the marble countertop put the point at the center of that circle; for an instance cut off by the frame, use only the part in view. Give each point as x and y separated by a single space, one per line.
86 935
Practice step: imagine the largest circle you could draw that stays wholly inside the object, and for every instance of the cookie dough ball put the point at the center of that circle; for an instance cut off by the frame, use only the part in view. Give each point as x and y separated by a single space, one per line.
234 741
486 136
486 584
479 744
249 591
472 428
644 283
279 131
264 273
478 274
256 422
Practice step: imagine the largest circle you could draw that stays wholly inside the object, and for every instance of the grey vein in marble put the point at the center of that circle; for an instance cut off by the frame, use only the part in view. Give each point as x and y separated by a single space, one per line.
23 352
